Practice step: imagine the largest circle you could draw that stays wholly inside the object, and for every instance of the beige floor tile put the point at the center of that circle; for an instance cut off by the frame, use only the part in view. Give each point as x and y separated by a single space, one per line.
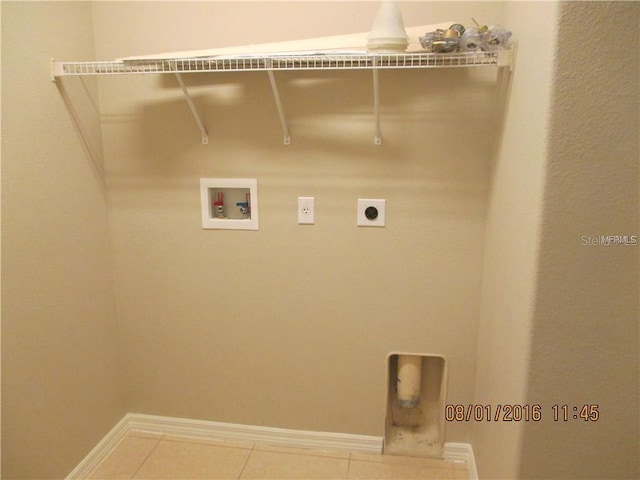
273 465
142 434
398 459
126 458
210 441
182 460
142 455
460 474
359 470
303 451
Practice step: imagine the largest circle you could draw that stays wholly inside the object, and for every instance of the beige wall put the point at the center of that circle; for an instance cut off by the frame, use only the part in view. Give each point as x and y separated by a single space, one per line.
290 326
584 341
512 237
559 321
60 371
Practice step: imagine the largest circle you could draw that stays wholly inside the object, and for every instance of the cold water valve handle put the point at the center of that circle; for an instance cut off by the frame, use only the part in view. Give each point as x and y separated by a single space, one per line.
245 207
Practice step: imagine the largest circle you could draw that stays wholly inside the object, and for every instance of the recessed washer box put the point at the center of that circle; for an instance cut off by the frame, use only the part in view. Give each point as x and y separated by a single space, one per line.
229 203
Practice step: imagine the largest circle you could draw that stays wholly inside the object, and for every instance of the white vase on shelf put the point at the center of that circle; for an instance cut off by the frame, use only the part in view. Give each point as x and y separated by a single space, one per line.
388 34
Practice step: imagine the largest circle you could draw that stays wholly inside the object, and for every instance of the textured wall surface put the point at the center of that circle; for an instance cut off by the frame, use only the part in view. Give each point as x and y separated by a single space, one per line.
584 347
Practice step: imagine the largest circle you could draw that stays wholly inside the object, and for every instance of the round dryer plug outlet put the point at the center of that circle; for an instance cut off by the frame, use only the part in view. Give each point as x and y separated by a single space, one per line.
371 212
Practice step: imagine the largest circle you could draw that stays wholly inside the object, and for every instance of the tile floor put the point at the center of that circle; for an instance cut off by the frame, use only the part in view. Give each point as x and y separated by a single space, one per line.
150 456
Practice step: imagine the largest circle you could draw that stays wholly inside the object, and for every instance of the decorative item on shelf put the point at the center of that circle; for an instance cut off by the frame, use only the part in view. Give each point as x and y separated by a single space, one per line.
441 41
388 34
458 28
497 37
471 39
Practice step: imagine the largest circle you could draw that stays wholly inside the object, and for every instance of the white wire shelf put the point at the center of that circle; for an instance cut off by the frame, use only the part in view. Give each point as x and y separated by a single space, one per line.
284 62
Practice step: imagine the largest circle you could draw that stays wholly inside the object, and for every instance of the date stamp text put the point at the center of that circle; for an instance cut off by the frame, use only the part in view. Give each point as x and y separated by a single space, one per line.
520 413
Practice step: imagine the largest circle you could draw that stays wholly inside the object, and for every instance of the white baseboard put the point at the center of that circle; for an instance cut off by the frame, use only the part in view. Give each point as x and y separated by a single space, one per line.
456 452
101 450
249 433
462 453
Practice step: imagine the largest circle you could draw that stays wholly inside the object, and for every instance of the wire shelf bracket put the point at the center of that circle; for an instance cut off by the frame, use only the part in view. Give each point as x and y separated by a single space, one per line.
377 138
276 96
194 111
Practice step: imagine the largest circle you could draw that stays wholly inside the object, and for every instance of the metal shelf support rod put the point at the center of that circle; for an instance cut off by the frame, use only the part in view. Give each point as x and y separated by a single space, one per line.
276 97
192 107
377 139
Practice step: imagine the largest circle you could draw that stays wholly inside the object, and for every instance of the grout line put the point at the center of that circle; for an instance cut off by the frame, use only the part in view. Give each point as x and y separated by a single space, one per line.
148 456
244 465
240 445
104 459
348 467
304 451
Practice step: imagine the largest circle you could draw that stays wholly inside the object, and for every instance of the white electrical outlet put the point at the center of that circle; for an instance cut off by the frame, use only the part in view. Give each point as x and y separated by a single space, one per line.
306 211
371 212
